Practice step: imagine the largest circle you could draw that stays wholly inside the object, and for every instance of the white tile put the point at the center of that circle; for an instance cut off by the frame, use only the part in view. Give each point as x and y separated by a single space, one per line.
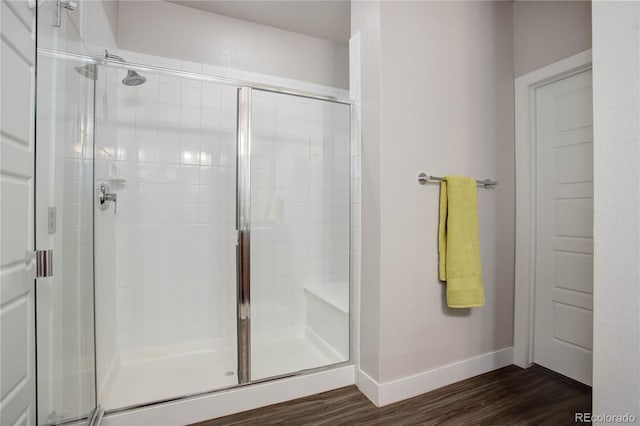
147 113
189 175
226 176
227 155
168 116
169 93
207 194
211 119
168 153
168 173
146 172
191 95
189 155
188 194
145 214
148 193
211 95
150 90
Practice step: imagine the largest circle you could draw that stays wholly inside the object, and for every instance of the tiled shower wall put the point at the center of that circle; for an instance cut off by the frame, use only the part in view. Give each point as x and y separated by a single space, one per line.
173 168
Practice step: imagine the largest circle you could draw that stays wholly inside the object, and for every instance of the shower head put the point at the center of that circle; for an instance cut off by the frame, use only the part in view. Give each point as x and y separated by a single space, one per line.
89 70
133 79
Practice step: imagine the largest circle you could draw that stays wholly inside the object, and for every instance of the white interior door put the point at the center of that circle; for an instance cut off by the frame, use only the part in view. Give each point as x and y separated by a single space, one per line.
564 227
17 369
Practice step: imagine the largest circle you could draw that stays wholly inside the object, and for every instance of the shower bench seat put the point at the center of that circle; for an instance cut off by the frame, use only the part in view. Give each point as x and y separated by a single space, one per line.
328 316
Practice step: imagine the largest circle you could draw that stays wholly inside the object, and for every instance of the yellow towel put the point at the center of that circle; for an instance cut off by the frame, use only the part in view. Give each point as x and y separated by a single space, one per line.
458 242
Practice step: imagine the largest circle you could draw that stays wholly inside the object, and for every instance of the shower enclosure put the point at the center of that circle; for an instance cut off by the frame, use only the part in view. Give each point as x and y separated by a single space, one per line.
200 228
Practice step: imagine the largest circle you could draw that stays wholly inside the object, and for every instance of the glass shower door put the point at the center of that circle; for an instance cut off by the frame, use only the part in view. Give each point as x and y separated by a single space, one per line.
64 224
165 265
299 221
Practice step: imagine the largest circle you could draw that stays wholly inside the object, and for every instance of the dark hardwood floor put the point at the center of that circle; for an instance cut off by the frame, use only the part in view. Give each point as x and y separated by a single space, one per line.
509 396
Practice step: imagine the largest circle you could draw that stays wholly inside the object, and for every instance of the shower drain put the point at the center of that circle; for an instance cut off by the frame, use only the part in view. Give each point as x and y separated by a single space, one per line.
229 373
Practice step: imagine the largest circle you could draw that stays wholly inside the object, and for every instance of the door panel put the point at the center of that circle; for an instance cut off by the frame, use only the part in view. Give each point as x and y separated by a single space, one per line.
570 321
574 271
574 217
64 224
299 234
575 163
564 227
17 373
165 266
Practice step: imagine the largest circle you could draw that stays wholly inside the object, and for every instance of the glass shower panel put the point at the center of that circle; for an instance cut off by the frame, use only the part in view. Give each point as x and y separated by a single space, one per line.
300 187
64 224
166 315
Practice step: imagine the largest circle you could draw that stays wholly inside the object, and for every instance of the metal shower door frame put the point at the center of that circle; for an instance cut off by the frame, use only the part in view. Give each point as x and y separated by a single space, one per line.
243 228
243 223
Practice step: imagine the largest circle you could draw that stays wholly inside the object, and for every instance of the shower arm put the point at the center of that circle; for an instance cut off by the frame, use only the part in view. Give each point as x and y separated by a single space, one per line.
111 56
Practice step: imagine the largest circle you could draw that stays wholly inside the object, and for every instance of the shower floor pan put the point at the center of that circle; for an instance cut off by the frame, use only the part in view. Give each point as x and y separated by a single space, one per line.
136 380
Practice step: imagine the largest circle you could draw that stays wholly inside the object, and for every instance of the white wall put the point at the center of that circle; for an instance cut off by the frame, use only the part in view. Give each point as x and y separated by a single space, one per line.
174 31
355 93
365 30
547 31
97 23
616 99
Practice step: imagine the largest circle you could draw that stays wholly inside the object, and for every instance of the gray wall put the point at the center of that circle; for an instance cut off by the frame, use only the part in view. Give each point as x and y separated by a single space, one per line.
443 111
165 29
547 31
445 106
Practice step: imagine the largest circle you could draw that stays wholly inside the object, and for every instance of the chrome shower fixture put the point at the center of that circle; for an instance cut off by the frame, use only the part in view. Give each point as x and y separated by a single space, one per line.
132 78
89 70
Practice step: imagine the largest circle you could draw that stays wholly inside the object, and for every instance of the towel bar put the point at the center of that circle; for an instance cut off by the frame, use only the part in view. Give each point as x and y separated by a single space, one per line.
423 178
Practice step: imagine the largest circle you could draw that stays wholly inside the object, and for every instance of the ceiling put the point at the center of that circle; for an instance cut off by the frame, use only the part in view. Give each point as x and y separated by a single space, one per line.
329 20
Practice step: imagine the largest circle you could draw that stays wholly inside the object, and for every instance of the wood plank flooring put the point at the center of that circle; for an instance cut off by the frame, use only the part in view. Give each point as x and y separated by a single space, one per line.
509 396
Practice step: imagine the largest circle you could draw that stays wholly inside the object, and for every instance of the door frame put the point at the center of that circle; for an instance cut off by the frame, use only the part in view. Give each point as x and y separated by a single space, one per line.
525 153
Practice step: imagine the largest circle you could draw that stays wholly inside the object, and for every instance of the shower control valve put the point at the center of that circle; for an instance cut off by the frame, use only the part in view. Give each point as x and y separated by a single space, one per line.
105 196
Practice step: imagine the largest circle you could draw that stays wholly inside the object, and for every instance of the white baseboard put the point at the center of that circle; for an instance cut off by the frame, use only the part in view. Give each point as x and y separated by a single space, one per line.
244 398
369 387
397 390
